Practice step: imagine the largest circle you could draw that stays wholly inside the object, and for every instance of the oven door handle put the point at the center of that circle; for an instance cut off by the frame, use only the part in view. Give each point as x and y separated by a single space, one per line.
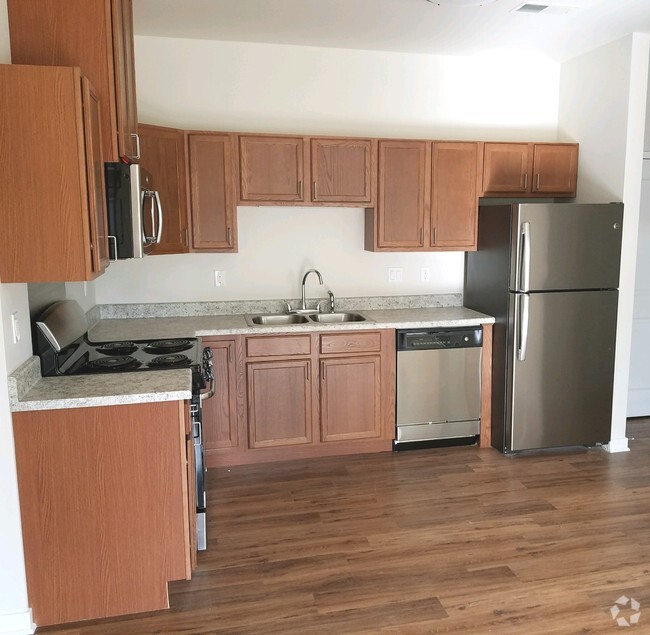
209 392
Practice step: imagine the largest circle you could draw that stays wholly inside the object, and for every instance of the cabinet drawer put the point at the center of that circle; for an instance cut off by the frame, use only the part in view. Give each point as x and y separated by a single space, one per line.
277 346
350 343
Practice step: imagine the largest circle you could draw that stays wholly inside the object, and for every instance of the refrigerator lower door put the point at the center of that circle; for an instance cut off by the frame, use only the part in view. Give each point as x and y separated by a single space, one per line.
561 369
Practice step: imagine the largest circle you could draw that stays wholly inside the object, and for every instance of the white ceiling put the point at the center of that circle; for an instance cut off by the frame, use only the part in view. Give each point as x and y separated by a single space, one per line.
568 28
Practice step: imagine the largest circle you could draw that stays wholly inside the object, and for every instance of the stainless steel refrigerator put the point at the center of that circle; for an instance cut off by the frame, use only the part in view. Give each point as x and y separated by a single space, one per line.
549 273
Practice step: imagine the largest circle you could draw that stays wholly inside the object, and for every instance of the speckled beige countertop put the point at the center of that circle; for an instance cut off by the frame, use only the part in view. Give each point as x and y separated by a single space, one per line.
159 327
29 391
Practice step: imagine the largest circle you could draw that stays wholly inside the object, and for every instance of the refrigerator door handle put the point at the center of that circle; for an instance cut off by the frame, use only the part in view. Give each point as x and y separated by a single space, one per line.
523 311
524 282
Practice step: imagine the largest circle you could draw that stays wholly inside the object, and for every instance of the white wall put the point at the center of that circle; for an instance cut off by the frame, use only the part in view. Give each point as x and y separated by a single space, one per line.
638 403
232 86
276 247
602 105
15 615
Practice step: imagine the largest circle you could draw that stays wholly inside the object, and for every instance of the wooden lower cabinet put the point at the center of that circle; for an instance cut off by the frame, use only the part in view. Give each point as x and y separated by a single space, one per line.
220 411
105 508
350 398
279 403
300 395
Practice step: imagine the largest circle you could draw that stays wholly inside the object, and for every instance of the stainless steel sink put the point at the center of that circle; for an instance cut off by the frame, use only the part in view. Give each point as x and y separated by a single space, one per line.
279 319
336 318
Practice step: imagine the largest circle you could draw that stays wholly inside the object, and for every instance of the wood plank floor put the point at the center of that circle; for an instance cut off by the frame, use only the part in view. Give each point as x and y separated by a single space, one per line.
457 540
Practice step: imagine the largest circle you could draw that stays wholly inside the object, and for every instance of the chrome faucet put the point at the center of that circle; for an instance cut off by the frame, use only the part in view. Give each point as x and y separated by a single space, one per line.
303 306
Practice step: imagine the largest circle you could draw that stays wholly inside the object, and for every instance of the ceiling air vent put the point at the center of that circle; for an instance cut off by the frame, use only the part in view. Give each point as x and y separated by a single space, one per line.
531 8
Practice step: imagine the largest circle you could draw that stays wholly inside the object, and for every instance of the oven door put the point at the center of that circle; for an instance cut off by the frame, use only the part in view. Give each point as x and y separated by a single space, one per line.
199 466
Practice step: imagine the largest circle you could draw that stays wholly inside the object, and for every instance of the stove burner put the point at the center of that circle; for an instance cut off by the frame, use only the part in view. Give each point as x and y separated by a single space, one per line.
118 362
167 346
170 361
117 348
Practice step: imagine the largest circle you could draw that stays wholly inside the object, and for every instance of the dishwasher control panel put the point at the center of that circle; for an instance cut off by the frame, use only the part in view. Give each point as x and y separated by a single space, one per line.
437 338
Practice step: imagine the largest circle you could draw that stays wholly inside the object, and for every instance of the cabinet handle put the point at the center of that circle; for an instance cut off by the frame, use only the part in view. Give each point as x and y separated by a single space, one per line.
299 189
526 181
229 237
322 371
308 373
137 145
435 235
230 353
537 184
187 238
315 191
422 236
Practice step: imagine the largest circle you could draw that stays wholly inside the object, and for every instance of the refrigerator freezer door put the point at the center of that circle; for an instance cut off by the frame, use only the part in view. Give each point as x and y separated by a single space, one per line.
559 391
566 246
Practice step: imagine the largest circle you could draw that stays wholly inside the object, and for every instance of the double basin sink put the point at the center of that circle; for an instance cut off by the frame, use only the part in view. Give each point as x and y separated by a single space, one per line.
283 319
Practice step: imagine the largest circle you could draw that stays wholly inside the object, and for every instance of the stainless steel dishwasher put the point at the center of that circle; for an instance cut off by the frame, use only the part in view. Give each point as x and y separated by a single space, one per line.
438 384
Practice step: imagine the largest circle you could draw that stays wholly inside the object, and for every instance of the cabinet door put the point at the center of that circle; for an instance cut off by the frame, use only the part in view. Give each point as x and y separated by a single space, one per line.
271 169
454 199
350 398
341 170
555 169
402 197
96 36
212 192
507 168
163 155
48 226
279 403
219 412
95 179
124 68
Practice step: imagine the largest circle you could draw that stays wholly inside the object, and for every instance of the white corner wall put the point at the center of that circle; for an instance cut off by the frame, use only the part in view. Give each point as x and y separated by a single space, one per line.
234 86
603 106
15 614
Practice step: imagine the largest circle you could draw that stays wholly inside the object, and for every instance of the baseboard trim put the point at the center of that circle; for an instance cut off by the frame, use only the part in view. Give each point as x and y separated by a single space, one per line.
617 445
17 623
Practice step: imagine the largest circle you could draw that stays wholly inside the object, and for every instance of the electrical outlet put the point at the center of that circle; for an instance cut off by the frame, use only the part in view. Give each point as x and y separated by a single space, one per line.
219 278
425 274
395 274
15 327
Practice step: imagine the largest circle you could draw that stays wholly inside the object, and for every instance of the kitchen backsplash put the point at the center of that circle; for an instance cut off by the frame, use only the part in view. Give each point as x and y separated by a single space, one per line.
236 307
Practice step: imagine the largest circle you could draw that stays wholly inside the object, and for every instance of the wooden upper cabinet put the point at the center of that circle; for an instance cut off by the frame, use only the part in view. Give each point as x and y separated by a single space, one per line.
528 169
342 170
507 168
555 169
427 197
124 66
52 199
402 199
212 192
95 178
163 155
271 169
454 197
96 35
